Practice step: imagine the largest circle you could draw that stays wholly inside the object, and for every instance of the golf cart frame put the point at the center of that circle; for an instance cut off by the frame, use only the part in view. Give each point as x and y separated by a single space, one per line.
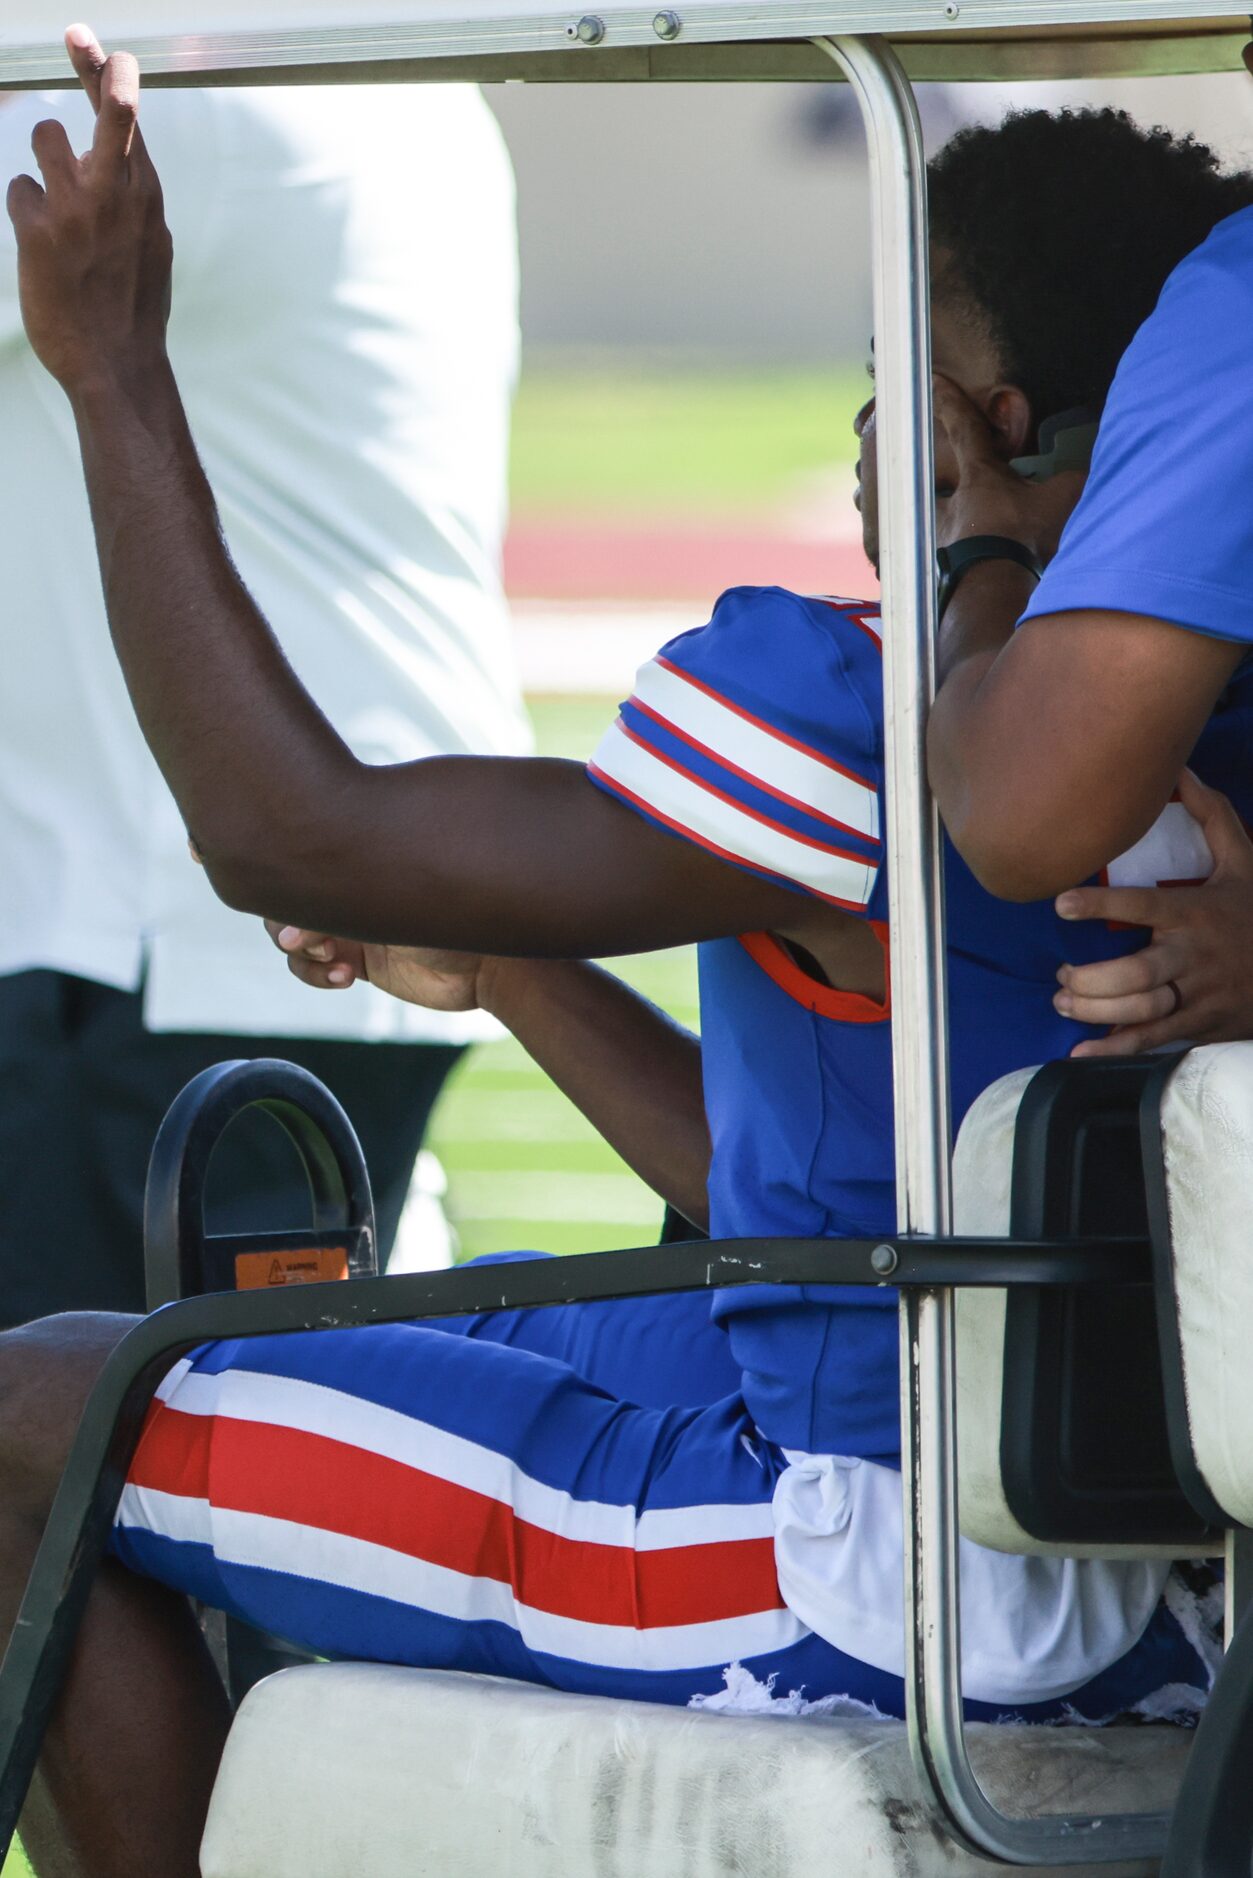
876 48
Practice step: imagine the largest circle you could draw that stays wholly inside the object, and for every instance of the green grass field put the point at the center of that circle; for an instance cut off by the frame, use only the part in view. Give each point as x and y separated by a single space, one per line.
524 1168
631 441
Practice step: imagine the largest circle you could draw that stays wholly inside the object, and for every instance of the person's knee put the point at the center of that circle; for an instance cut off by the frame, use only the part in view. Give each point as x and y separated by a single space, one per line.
47 1371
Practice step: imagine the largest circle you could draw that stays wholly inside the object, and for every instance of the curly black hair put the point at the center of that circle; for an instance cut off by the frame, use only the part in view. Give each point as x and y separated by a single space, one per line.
1059 230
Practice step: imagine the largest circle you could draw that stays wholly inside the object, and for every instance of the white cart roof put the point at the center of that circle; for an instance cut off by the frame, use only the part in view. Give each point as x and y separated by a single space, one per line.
249 41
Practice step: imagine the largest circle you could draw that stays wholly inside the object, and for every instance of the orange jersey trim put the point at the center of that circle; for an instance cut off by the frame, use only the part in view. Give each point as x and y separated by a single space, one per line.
843 1007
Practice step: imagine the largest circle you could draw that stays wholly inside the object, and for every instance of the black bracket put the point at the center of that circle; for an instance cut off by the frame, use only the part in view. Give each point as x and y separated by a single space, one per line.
1094 1450
180 1259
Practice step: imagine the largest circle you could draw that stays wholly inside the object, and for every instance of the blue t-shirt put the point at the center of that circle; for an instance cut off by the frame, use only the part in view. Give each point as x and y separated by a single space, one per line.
760 737
1165 524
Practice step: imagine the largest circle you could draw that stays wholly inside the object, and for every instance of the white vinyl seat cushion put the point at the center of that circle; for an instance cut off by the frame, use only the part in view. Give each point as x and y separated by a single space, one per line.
1207 1135
983 1161
361 1771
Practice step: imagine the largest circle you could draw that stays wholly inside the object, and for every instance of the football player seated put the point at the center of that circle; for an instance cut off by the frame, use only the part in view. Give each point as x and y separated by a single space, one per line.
634 1498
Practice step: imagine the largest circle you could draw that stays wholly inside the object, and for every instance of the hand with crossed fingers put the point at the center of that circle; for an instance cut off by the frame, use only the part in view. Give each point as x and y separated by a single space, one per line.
94 252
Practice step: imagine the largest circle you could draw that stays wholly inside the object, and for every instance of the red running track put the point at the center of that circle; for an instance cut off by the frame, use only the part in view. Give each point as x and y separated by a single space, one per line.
651 561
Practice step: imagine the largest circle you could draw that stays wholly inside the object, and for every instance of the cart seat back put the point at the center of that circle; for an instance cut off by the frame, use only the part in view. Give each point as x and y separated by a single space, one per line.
1198 1127
1067 1444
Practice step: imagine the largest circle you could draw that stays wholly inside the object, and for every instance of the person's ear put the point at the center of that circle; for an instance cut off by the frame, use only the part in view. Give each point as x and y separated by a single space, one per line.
1008 411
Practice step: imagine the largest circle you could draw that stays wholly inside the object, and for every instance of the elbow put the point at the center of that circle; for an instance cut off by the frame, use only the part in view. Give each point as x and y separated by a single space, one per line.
1008 875
686 1210
266 854
263 874
1013 863
1017 846
241 885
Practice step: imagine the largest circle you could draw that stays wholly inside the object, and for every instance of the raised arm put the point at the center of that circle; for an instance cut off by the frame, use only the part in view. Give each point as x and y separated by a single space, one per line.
520 857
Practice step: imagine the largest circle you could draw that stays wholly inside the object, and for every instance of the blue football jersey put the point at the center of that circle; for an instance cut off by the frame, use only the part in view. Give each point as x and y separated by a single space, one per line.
760 737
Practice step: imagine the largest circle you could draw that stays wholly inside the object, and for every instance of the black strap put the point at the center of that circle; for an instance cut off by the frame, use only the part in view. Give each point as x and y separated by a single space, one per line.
955 561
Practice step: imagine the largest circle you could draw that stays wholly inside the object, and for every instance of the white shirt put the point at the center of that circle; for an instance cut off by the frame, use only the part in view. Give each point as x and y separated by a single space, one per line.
345 336
1032 1629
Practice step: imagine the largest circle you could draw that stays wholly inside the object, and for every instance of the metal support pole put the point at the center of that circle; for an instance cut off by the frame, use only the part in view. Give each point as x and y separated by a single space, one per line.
1237 1580
1213 1823
920 1017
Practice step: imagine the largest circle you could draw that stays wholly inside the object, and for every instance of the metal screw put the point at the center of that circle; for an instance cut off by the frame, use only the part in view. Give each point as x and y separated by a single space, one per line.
884 1260
589 31
951 10
667 25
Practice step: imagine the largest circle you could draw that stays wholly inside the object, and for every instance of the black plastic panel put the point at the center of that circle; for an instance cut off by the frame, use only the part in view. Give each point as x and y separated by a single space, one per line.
181 1260
1085 1445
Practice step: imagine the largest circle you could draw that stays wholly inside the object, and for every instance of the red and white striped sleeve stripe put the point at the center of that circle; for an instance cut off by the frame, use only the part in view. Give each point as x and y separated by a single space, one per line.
741 788
779 765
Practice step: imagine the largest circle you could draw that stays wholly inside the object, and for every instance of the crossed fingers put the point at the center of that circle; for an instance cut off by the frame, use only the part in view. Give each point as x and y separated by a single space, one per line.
112 84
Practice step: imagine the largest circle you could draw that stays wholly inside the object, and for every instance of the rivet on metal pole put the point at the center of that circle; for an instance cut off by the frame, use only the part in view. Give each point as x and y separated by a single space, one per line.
667 25
884 1260
589 31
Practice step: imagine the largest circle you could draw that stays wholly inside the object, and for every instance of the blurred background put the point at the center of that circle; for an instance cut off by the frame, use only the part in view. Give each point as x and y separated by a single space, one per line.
696 324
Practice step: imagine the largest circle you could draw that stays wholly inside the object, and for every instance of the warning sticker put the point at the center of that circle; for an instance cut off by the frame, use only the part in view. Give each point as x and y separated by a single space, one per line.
300 1265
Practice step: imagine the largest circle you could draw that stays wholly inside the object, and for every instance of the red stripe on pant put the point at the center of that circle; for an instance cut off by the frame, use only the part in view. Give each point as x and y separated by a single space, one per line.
284 1473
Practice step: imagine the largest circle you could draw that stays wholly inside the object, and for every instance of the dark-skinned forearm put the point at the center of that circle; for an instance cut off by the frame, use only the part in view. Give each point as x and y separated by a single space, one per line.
632 1071
216 700
1057 752
523 857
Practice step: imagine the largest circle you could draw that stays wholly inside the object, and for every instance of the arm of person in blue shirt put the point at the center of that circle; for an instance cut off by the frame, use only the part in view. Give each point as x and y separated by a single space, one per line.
1192 982
1052 747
